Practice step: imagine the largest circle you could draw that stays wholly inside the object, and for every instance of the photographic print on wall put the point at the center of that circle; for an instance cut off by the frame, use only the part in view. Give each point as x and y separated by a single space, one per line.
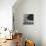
28 19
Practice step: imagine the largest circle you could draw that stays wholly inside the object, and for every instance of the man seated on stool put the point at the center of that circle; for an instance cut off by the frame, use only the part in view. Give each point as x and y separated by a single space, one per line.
18 40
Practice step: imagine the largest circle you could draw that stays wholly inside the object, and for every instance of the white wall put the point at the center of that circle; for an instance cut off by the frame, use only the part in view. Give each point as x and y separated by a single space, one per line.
43 22
6 13
29 31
